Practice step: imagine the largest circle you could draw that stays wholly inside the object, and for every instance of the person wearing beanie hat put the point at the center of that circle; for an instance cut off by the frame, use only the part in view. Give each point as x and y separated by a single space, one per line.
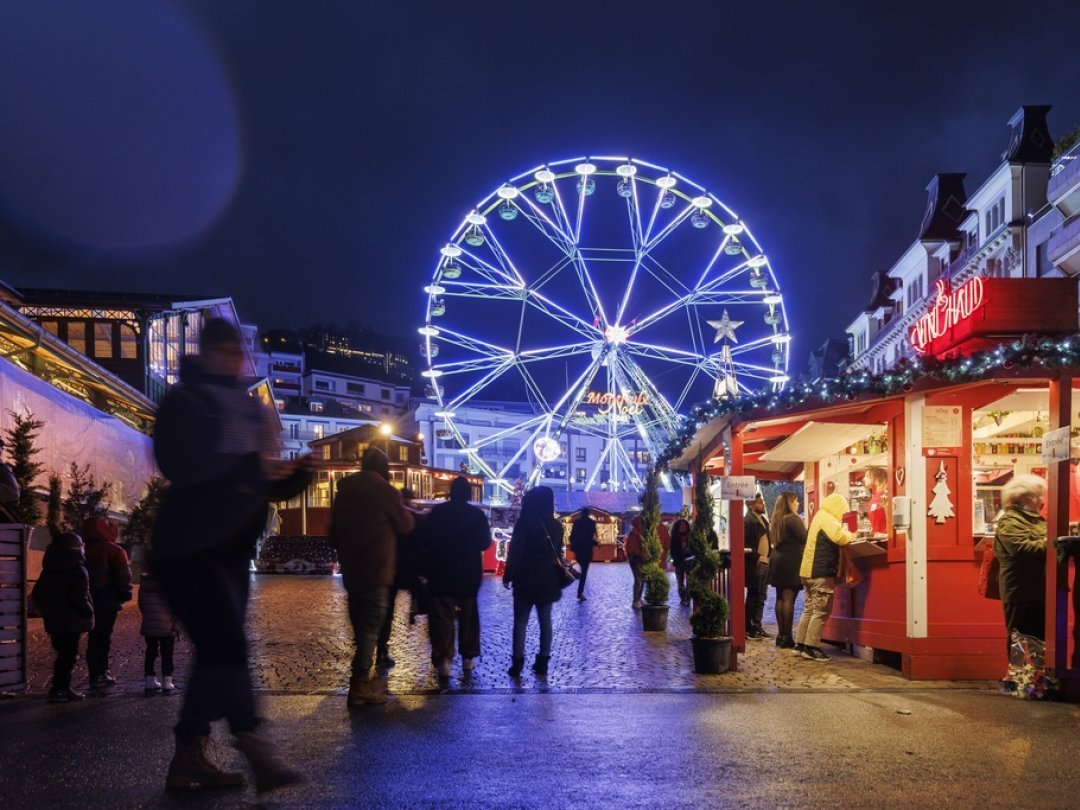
110 588
367 517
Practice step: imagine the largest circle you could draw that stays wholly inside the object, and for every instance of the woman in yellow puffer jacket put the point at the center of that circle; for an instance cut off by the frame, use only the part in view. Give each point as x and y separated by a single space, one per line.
820 561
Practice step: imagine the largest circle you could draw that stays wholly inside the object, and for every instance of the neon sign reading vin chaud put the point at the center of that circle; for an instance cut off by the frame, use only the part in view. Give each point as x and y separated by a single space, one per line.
949 308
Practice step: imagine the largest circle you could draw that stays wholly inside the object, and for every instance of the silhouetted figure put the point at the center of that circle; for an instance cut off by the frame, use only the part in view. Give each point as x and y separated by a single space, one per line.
62 595
635 556
110 588
367 518
159 629
218 447
456 535
582 543
535 544
405 574
680 552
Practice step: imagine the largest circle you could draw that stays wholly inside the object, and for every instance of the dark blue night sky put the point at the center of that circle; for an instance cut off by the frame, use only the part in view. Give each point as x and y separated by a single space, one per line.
309 158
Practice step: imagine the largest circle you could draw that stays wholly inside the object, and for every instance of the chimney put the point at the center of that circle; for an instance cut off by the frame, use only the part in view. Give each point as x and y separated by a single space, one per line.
944 208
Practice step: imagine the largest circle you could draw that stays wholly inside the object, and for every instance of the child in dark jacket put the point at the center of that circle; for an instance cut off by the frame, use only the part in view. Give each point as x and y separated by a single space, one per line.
62 594
159 628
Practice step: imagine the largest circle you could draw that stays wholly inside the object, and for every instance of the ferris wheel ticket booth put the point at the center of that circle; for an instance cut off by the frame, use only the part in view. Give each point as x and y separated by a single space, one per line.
921 456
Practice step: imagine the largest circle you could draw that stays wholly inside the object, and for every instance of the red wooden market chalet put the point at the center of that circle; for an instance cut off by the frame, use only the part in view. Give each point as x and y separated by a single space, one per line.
336 456
976 405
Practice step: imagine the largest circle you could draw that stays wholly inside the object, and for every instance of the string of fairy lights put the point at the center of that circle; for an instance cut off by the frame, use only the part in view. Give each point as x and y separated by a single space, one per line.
1027 352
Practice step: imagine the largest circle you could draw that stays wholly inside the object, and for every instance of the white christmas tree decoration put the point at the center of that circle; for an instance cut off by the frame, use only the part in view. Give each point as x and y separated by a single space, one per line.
941 507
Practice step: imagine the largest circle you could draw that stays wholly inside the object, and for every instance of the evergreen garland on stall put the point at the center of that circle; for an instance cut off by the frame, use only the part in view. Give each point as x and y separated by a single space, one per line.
1037 352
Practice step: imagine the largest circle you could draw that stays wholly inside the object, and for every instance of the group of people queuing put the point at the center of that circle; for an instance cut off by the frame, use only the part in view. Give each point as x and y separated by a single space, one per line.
783 553
790 557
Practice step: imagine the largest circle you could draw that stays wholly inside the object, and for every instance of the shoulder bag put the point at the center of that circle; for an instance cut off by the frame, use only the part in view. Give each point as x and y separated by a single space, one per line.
567 574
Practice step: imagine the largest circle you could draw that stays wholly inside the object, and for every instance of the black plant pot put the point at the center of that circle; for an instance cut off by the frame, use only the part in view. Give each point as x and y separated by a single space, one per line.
712 656
654 617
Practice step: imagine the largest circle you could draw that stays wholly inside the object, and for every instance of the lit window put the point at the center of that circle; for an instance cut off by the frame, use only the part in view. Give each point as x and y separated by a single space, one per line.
317 432
76 336
52 327
316 407
129 343
403 453
103 340
326 452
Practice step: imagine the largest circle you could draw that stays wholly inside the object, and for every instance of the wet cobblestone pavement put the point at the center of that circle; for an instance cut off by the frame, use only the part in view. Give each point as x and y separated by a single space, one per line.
302 644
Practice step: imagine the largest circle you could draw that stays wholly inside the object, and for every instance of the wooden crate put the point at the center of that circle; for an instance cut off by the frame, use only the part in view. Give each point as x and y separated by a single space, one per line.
13 539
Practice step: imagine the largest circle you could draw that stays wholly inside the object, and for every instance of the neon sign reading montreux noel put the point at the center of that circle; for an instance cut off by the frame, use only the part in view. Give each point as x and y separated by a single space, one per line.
947 310
618 406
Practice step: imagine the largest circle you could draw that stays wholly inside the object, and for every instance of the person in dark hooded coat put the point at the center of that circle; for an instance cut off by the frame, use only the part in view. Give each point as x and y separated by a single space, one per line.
456 534
535 545
62 595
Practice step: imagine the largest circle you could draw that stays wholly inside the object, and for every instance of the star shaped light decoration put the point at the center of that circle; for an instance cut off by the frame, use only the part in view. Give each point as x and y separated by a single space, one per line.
725 328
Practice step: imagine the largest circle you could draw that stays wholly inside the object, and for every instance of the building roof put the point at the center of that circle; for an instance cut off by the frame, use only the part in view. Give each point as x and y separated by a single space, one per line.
32 347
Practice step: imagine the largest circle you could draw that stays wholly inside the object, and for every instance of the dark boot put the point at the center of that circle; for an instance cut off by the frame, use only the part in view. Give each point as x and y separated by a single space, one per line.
191 769
516 665
541 665
262 755
363 691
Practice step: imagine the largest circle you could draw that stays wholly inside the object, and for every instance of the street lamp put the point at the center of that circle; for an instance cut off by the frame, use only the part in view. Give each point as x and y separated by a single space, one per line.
385 428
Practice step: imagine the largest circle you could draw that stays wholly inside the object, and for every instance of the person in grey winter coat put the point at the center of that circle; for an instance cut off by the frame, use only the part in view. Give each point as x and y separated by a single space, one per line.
160 630
62 595
530 568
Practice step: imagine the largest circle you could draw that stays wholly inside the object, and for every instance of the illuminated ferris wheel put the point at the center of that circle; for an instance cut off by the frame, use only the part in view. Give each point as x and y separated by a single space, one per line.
604 295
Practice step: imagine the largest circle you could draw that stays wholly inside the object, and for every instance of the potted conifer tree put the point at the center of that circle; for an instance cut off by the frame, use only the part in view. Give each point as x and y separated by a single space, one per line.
654 612
708 622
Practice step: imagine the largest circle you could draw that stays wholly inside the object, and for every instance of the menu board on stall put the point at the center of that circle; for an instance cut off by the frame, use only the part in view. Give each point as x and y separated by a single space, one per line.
942 430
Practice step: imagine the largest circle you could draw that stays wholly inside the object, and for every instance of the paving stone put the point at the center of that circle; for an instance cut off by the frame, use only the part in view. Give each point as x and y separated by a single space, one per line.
301 643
